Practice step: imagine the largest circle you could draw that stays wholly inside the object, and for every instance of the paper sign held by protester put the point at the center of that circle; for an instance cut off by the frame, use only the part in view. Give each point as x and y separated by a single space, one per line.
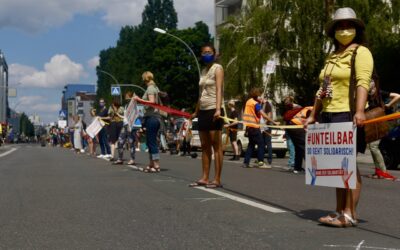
94 128
331 155
132 112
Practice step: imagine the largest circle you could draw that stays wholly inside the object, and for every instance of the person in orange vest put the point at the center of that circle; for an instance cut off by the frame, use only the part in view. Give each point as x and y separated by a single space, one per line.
296 115
251 118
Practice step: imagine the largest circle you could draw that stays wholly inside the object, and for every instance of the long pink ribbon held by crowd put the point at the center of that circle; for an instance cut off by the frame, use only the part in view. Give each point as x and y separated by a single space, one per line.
169 110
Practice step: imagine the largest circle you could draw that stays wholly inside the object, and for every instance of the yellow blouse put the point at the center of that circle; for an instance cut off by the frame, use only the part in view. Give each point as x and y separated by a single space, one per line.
338 67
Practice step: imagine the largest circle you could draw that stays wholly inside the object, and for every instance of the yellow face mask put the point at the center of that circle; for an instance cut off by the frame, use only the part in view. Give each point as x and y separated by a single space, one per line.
345 36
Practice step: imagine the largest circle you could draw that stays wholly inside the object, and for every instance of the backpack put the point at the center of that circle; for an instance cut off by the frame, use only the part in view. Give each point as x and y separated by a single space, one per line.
164 98
374 131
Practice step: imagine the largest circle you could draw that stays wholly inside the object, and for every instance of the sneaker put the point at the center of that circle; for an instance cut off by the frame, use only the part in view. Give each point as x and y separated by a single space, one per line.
298 171
261 164
82 151
100 156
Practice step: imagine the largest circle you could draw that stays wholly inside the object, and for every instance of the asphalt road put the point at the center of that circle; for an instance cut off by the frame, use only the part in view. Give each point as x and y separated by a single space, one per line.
51 198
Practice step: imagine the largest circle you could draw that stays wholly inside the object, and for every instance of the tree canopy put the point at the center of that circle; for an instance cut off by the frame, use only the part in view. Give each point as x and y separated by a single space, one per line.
140 49
293 33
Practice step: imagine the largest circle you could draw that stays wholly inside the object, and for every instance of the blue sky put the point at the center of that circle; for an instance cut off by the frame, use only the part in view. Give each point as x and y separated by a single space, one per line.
51 43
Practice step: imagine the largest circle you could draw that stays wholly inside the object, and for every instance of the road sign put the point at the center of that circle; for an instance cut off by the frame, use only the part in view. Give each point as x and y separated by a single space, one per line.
62 114
115 91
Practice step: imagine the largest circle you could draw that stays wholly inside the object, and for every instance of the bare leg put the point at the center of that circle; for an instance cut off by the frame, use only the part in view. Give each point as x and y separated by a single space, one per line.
206 155
112 149
352 198
218 154
235 148
340 199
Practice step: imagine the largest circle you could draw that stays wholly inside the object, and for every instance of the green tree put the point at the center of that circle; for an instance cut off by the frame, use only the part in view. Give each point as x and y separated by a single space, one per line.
139 49
133 53
26 126
176 66
293 32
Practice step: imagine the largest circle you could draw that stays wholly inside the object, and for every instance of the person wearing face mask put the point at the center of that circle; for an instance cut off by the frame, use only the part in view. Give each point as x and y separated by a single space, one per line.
333 102
252 114
208 110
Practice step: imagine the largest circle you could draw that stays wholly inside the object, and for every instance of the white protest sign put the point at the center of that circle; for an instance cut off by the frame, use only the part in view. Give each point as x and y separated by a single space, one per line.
62 123
94 128
331 155
269 68
132 113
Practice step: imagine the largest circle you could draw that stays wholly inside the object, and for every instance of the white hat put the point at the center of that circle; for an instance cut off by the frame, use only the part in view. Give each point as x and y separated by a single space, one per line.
231 102
343 14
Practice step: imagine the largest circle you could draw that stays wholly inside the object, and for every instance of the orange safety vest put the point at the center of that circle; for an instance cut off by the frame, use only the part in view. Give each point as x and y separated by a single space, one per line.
250 117
302 115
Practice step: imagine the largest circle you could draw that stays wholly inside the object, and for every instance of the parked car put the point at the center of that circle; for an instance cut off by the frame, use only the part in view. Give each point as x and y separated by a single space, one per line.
390 148
278 140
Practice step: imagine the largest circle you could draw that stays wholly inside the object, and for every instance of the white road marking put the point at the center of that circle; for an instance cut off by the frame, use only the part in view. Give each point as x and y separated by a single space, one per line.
242 200
359 246
208 199
8 152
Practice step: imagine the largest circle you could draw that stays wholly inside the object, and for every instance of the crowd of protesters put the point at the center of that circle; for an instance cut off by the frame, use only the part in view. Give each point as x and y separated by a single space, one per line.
332 105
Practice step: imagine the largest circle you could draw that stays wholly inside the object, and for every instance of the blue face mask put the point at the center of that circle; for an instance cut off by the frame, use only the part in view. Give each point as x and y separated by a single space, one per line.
207 58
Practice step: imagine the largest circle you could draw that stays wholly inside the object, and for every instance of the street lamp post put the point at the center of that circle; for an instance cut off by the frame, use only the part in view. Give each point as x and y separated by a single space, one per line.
161 31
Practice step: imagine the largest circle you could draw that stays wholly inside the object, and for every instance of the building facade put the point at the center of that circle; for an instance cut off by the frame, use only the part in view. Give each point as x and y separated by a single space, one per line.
3 89
223 9
84 103
78 99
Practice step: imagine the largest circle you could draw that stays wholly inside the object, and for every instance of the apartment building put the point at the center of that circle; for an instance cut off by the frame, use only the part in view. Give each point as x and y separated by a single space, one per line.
223 10
3 89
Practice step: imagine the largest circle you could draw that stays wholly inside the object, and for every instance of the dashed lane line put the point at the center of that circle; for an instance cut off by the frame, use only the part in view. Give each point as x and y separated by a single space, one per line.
8 152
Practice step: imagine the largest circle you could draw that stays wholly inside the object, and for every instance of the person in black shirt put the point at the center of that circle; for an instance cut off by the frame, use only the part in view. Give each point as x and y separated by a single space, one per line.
103 141
232 129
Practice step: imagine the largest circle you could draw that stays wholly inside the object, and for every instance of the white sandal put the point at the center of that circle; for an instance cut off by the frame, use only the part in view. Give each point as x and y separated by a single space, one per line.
348 221
328 218
353 222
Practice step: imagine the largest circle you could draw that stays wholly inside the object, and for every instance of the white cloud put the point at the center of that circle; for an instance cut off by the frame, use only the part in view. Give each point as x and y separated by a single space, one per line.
58 72
39 15
18 71
39 105
94 62
190 12
36 104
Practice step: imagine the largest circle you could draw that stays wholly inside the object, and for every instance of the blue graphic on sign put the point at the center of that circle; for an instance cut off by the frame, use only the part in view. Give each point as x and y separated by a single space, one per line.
115 90
62 113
